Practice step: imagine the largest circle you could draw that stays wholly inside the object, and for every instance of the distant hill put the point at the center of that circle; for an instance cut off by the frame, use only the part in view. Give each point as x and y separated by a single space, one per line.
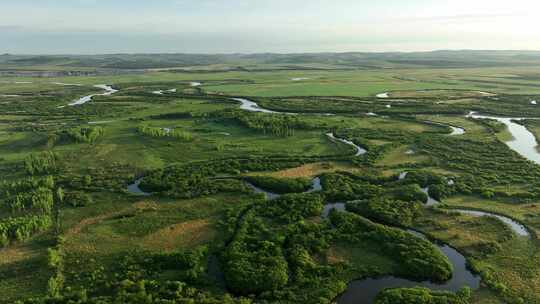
356 60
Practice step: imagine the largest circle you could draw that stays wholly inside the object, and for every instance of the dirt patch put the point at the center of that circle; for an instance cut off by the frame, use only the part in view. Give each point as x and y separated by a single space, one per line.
311 170
16 253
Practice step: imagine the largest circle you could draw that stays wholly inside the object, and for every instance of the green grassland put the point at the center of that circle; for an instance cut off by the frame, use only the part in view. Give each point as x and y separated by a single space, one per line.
200 202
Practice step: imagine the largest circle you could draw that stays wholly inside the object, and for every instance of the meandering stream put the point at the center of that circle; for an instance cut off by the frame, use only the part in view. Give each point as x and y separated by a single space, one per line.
248 105
359 150
523 142
108 91
517 227
365 291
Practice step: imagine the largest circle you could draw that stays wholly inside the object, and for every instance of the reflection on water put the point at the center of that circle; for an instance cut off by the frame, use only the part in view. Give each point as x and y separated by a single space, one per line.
134 188
516 227
108 91
523 142
359 150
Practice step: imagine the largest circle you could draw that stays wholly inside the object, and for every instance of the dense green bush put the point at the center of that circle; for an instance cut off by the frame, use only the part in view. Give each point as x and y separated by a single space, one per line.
22 228
422 296
418 258
41 163
410 193
41 199
162 132
254 262
393 212
342 187
293 207
78 199
277 125
85 134
281 185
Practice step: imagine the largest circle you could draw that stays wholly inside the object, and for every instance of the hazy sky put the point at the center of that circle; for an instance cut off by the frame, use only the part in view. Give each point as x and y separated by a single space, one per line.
226 26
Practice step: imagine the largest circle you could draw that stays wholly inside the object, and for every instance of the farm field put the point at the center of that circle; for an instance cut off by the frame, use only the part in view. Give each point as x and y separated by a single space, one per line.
252 181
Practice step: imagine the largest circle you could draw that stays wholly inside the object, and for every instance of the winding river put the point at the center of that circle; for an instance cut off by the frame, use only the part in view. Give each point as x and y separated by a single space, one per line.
251 106
517 227
248 105
523 141
365 291
455 130
108 91
359 150
315 186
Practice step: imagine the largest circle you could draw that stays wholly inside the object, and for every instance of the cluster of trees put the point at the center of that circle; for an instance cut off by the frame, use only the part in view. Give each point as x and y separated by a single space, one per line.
189 266
164 132
41 199
55 261
142 292
409 193
196 179
33 193
422 296
41 163
9 188
254 262
277 125
389 211
77 199
22 228
482 166
271 254
178 115
191 186
36 197
281 185
85 134
292 208
417 257
348 187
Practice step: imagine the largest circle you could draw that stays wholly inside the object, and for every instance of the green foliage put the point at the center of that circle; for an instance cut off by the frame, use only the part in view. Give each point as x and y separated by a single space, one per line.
29 194
191 264
281 185
41 163
22 228
346 187
418 258
163 132
277 125
195 179
142 292
85 134
410 193
393 212
78 199
56 263
422 296
292 208
254 262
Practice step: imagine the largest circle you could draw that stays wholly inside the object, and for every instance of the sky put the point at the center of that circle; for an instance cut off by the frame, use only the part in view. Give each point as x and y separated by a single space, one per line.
256 26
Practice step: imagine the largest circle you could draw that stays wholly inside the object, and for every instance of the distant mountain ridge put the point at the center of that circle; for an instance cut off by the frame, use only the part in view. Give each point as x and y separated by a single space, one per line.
348 60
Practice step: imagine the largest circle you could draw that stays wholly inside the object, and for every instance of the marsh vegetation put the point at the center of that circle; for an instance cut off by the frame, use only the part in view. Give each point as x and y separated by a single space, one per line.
198 228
